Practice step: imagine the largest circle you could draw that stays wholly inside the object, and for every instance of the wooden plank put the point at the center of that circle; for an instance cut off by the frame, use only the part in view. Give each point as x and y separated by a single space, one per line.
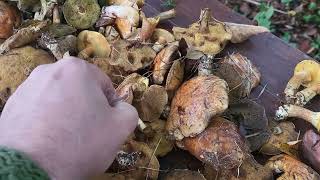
274 58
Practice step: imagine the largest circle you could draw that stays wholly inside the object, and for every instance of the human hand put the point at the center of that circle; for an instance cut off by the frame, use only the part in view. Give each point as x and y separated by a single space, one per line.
67 118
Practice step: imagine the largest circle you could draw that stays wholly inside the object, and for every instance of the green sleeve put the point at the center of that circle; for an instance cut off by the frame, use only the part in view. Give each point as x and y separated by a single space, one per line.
15 165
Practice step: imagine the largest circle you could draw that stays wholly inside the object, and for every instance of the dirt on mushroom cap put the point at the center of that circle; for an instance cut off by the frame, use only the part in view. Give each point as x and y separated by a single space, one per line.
195 103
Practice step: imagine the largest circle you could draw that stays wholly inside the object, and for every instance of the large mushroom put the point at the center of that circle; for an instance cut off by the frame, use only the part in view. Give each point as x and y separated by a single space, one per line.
195 103
219 145
307 74
81 14
15 67
291 168
9 20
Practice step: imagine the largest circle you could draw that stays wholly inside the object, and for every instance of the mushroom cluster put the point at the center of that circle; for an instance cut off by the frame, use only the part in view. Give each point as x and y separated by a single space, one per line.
203 112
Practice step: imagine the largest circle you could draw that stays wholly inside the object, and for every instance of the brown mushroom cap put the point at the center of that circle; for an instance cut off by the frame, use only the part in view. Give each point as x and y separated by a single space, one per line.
139 159
152 103
9 19
16 65
131 57
279 139
174 78
184 174
291 168
162 63
162 35
195 103
91 43
240 74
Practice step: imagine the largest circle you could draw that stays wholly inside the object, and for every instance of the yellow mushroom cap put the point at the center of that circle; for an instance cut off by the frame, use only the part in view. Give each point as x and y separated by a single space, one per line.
309 66
94 40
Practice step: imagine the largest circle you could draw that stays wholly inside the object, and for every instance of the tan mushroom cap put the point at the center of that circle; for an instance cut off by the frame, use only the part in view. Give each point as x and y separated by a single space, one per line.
9 19
162 36
174 78
219 145
132 57
91 43
291 168
278 139
195 103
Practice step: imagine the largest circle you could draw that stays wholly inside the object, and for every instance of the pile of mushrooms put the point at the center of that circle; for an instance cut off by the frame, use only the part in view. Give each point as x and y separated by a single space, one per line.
204 111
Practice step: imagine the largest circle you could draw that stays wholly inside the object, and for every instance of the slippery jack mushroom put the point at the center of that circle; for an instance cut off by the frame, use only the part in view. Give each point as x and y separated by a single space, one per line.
81 14
219 145
9 20
210 35
91 43
291 168
307 74
16 65
194 104
287 111
240 74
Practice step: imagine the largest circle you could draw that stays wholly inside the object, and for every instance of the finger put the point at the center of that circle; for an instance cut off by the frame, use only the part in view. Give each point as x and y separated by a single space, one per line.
126 116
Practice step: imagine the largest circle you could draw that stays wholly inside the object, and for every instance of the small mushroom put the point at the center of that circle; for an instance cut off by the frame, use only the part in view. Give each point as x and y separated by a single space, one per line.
155 136
24 36
249 170
9 20
291 168
126 18
240 74
219 145
152 103
174 78
81 14
311 149
194 104
184 174
287 111
210 35
139 158
131 56
91 43
306 73
15 67
162 63
278 139
161 38
252 121
166 15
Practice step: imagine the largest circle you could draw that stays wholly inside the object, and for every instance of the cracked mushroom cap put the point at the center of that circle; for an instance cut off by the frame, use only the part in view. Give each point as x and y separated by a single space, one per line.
81 14
152 103
240 74
249 170
194 104
291 168
219 145
131 57
16 65
91 43
139 158
9 20
132 87
283 133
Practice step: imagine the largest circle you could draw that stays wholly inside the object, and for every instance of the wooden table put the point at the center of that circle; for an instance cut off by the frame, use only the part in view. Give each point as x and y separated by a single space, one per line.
274 58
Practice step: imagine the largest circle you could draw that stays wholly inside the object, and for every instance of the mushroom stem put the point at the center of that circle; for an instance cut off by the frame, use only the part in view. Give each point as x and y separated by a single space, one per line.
148 27
298 112
56 15
294 84
205 19
166 15
141 125
304 96
86 53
